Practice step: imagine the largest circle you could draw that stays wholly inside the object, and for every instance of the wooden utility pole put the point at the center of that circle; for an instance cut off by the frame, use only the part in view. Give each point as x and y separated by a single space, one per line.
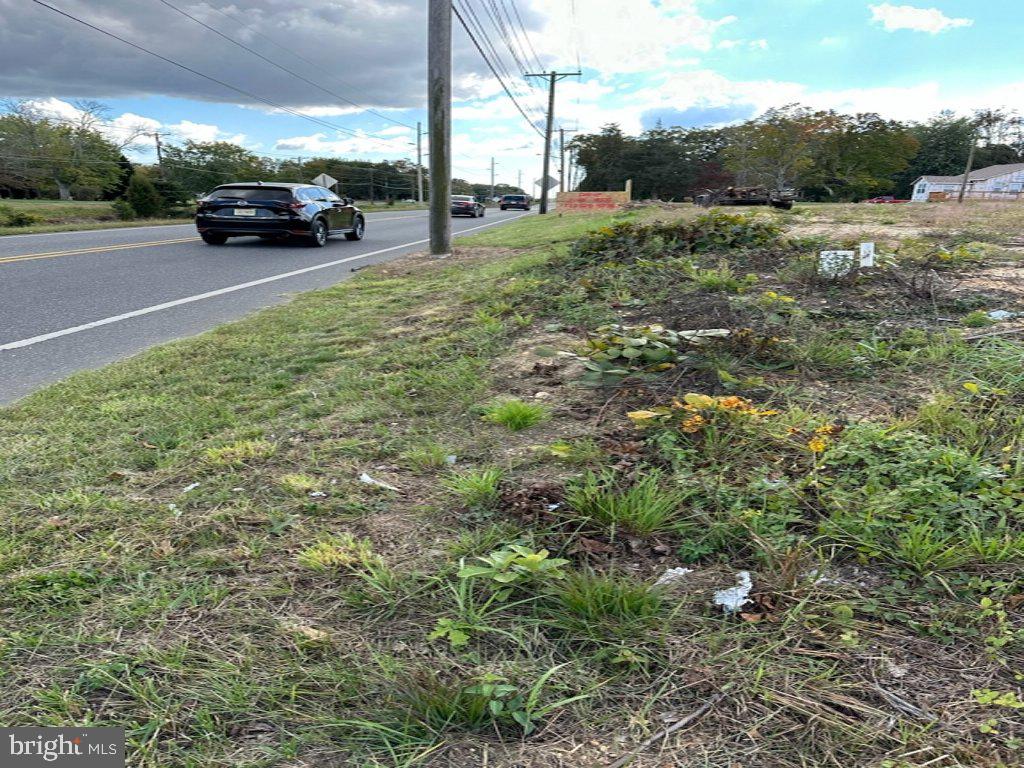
967 170
159 151
492 179
519 183
439 123
553 77
419 163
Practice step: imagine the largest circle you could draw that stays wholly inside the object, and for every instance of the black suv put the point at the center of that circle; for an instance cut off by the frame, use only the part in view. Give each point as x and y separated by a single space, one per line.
277 211
521 202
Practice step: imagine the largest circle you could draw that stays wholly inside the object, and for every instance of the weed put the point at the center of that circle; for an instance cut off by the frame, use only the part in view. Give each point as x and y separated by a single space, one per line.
977 319
722 279
298 484
477 488
595 605
516 565
338 553
240 453
427 456
643 507
516 415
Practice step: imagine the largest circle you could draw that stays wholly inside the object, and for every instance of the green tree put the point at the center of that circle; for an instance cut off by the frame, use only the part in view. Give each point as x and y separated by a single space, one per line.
143 197
42 155
198 167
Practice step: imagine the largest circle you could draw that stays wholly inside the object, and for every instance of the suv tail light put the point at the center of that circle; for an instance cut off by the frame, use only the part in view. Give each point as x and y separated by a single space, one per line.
295 205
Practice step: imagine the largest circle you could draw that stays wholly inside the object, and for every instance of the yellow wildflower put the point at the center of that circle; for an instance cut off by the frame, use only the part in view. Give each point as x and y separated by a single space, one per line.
817 444
825 429
693 424
640 417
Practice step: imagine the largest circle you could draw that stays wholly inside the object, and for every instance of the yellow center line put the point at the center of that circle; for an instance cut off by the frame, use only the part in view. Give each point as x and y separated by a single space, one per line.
97 249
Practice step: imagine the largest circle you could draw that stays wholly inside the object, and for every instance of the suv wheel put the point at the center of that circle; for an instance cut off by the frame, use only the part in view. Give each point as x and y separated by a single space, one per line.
318 233
358 229
213 238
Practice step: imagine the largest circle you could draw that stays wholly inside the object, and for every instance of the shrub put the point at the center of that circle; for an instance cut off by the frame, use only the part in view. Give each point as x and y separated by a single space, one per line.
13 218
644 507
617 351
123 209
515 414
143 197
628 242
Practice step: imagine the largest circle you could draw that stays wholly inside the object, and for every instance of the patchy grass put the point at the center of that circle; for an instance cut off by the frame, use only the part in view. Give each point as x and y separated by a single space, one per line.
187 549
37 216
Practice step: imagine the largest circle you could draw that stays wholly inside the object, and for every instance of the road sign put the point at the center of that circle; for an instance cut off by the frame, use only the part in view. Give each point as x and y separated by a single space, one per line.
323 180
552 182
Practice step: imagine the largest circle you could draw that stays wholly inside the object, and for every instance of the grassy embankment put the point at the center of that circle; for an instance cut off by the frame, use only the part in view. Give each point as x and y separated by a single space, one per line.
68 216
186 548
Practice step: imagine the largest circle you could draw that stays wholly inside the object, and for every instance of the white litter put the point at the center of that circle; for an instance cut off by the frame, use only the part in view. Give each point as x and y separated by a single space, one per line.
672 576
697 336
317 495
1001 314
365 478
734 598
451 459
867 254
190 487
238 490
834 264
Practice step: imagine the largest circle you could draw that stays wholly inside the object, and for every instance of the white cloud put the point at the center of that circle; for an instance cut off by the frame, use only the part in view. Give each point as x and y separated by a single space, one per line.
760 44
321 144
931 20
623 37
199 132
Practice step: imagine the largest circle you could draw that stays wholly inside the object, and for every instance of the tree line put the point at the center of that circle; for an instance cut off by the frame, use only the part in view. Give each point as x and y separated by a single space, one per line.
823 154
43 156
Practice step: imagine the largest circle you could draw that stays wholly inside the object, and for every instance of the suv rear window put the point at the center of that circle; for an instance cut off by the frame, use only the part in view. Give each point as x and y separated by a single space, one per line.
251 193
515 198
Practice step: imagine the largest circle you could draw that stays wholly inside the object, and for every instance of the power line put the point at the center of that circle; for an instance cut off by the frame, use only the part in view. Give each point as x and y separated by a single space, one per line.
526 36
469 32
196 72
297 55
270 61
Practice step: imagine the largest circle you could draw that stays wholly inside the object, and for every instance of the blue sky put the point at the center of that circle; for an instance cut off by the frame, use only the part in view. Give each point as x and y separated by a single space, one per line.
685 62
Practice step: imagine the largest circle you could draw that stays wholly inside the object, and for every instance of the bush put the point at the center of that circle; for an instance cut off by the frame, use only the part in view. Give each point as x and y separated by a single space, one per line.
12 218
628 242
143 196
123 209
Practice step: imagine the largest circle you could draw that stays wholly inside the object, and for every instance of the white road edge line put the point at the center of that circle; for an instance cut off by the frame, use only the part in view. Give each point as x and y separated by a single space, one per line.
221 291
185 223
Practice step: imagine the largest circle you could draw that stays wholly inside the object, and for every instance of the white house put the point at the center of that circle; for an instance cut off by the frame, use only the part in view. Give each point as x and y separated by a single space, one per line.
997 182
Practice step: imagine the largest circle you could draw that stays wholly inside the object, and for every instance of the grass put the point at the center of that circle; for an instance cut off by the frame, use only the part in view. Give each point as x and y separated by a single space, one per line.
516 415
187 550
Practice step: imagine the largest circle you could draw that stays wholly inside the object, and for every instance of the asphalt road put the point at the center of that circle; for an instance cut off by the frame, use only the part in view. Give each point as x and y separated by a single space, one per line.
71 301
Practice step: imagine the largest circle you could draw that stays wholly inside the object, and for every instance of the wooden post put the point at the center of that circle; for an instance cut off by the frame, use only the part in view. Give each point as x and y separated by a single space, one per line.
439 124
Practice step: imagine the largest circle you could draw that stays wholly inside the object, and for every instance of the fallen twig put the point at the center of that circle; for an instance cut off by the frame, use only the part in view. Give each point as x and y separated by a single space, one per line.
1007 332
664 732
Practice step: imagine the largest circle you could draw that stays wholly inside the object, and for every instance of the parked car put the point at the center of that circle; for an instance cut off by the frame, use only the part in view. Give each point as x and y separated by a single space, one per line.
466 205
277 211
885 199
520 202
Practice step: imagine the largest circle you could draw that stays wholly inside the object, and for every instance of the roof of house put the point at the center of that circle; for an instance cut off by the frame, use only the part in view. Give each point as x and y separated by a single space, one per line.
982 174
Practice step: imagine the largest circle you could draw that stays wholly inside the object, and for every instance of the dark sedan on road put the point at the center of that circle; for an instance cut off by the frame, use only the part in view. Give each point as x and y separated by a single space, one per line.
276 211
466 205
520 202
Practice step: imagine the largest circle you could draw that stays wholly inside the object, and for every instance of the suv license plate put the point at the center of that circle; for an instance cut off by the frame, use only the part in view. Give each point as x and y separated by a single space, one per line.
245 211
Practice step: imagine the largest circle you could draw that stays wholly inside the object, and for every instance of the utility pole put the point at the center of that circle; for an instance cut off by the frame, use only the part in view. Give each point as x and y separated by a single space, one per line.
492 178
159 151
970 164
519 182
439 123
561 152
419 163
371 186
553 77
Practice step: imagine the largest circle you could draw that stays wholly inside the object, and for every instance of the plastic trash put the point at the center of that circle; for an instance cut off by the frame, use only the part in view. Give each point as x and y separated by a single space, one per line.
734 598
365 478
672 576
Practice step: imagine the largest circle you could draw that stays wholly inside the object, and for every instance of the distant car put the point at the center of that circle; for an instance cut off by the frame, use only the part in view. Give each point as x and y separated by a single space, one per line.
885 199
520 202
276 211
466 205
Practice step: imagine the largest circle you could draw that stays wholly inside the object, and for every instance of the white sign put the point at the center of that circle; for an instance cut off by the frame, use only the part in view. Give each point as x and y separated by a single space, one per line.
833 264
323 180
552 182
867 254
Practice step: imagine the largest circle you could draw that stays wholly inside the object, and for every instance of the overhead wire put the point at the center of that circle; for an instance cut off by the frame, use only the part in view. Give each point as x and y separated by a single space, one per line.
491 66
186 68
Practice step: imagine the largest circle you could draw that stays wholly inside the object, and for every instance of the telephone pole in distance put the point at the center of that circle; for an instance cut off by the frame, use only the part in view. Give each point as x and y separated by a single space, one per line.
553 77
419 163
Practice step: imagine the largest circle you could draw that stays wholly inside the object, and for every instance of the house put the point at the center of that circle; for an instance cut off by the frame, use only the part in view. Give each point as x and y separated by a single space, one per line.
997 182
